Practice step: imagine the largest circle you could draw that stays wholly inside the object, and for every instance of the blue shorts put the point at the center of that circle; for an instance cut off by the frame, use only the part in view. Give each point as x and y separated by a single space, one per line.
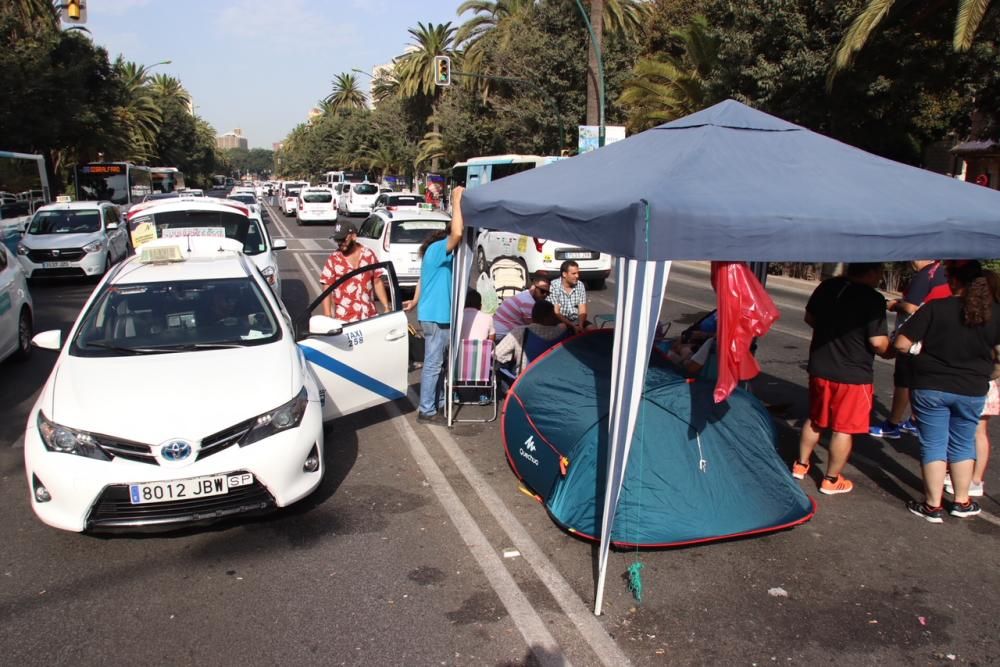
947 423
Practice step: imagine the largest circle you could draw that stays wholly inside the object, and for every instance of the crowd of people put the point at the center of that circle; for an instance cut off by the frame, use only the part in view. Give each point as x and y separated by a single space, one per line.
945 343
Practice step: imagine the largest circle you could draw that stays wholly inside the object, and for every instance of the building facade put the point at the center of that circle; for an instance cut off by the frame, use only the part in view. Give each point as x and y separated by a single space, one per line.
234 139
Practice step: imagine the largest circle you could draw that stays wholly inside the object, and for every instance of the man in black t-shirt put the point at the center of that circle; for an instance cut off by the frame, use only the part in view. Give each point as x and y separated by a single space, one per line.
929 282
847 315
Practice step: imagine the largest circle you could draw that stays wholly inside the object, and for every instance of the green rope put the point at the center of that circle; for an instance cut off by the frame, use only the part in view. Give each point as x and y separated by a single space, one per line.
635 580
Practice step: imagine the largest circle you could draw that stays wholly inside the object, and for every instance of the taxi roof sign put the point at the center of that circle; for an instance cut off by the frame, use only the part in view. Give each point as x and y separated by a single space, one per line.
160 254
63 199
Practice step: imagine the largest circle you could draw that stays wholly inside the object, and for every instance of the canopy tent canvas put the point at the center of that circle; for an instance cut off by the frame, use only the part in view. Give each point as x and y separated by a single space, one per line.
726 183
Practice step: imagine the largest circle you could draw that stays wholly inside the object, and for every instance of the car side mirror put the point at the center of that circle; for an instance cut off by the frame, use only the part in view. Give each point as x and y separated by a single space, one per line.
48 340
279 244
111 226
321 325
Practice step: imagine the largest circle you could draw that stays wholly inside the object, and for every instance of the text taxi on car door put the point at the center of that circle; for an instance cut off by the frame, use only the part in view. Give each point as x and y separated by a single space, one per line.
219 410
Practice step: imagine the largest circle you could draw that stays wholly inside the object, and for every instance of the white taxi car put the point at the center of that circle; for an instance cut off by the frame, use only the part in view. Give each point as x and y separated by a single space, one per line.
74 239
316 204
210 217
15 308
541 256
218 410
357 198
395 236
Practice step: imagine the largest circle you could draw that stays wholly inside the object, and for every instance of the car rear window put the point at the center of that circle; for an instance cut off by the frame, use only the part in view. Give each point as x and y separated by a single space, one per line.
366 189
414 231
317 197
405 200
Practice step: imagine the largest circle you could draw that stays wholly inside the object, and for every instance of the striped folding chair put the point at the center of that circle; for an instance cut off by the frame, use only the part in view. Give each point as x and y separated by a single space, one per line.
475 374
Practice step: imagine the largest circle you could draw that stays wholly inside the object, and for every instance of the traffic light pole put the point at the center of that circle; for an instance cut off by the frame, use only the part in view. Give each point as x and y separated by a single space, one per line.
555 102
600 74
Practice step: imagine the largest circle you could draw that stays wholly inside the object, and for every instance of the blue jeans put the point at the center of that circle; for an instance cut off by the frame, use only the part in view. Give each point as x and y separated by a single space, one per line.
947 423
436 337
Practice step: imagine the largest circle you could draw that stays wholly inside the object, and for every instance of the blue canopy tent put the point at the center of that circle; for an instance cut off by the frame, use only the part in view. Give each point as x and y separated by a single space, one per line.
726 183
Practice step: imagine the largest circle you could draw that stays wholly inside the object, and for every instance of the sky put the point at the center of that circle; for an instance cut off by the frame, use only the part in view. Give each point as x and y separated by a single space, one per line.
260 65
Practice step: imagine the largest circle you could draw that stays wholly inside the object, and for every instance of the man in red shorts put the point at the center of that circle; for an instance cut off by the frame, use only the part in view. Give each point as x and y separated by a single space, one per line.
847 315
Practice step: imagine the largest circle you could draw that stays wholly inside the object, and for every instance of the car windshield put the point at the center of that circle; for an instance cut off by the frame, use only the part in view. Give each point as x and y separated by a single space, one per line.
292 192
66 222
177 316
317 197
414 231
365 189
246 199
404 200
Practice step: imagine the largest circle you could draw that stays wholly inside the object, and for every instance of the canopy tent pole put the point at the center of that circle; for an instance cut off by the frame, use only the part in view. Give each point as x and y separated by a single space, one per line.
641 286
461 270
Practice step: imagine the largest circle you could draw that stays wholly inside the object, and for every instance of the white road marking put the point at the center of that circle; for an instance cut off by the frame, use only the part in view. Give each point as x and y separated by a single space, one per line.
541 643
580 614
310 244
519 608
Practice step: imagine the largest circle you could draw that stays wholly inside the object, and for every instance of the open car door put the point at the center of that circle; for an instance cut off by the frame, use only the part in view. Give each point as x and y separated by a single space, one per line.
358 364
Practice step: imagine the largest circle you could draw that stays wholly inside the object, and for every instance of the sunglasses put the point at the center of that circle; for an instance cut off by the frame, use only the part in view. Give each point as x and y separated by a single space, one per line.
542 290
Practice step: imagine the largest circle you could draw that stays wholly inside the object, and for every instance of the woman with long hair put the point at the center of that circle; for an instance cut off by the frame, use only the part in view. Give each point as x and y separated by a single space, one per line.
953 341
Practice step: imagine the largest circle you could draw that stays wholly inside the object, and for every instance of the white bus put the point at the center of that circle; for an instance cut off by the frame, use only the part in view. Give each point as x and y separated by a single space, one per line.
478 171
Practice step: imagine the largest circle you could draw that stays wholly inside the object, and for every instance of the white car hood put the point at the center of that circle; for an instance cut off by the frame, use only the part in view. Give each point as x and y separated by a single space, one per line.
48 241
190 395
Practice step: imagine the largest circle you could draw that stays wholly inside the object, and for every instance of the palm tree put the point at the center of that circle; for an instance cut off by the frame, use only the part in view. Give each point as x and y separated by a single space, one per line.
34 17
415 68
167 87
967 21
382 159
346 93
139 112
662 90
489 15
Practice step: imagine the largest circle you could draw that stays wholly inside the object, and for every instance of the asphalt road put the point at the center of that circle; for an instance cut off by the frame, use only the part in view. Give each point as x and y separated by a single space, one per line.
419 549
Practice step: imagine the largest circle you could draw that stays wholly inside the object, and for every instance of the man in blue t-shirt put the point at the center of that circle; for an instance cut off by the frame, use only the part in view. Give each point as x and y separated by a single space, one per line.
433 301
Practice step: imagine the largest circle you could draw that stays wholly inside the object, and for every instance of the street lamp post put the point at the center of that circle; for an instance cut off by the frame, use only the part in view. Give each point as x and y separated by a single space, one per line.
600 74
162 62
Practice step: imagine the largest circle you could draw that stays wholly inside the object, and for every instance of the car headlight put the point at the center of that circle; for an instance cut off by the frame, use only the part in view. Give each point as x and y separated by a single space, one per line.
22 249
280 419
58 438
94 246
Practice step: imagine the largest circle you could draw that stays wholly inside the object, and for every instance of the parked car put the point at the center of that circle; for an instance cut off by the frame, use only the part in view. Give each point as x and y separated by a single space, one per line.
76 239
16 308
395 236
247 198
316 204
357 198
180 327
218 217
541 256
290 196
395 200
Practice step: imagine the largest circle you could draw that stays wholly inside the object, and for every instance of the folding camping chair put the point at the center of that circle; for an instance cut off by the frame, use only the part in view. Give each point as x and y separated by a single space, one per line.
509 277
475 370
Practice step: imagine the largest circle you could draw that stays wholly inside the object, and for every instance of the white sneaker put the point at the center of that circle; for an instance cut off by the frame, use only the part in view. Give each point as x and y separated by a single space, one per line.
974 488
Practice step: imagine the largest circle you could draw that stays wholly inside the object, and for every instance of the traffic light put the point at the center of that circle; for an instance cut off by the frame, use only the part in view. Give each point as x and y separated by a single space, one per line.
73 11
442 70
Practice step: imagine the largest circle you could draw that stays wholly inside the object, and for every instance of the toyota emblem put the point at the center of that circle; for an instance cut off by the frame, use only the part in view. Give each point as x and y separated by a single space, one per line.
176 450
